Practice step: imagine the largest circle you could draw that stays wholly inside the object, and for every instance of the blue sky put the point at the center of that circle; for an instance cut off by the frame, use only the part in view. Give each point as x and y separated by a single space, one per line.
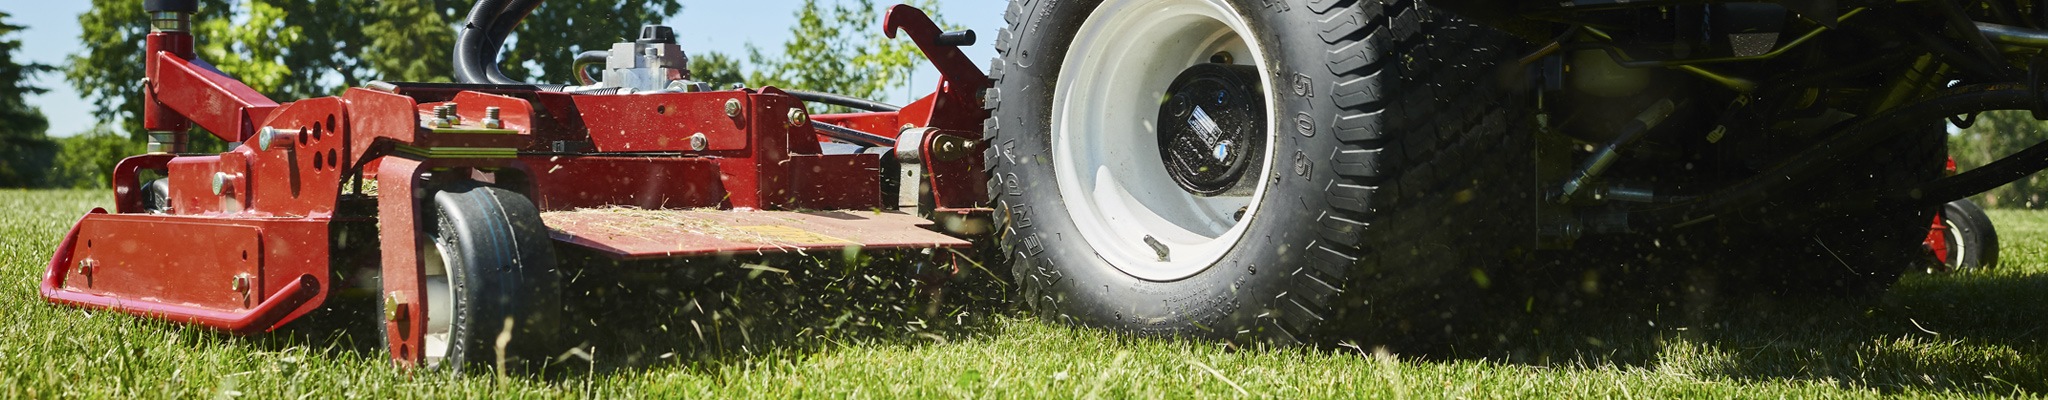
720 26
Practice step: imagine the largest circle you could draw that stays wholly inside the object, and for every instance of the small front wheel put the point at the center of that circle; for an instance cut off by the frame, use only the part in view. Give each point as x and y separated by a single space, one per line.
1972 243
493 291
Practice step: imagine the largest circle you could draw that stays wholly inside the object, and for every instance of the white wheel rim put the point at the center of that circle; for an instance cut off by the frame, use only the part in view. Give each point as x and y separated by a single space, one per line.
434 343
1956 248
1105 144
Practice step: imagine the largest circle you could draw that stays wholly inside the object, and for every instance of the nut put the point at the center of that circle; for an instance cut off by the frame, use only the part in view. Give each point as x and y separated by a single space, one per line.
799 117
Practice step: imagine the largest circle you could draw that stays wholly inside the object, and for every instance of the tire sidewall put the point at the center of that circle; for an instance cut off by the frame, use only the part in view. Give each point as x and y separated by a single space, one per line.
1061 270
499 264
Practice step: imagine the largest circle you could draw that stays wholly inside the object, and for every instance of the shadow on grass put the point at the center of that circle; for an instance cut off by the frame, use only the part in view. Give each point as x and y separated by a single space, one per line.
709 314
1972 333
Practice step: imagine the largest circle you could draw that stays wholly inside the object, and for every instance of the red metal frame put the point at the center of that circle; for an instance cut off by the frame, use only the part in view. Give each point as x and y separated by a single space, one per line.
255 253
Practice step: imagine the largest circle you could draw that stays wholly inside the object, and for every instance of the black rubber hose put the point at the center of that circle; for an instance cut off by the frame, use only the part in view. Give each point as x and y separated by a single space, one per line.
843 101
483 36
583 62
1814 162
470 43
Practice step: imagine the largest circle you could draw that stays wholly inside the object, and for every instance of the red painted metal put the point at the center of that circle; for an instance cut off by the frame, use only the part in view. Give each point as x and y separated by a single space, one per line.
570 182
264 237
643 234
399 219
956 104
241 276
665 122
157 117
127 183
1937 240
958 183
884 124
210 99
839 181
302 173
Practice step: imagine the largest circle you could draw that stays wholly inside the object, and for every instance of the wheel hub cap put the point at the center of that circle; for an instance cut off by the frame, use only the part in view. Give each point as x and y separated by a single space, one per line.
1211 130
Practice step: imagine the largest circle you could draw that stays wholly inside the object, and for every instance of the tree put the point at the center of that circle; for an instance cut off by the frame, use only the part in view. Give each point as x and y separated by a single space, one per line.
290 49
1994 135
717 69
84 161
24 151
840 50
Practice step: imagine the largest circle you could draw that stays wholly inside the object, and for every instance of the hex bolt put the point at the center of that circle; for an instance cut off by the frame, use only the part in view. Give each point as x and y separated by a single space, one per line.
699 142
264 136
441 117
732 108
220 182
454 114
391 306
491 120
799 117
240 284
88 266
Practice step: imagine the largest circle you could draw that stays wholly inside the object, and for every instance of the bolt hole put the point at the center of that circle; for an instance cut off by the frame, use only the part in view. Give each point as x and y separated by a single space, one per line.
332 159
330 122
302 135
1222 57
245 255
661 109
88 244
316 160
318 130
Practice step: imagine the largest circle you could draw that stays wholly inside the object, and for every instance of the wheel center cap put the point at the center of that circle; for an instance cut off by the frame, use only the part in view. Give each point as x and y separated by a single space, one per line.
1212 129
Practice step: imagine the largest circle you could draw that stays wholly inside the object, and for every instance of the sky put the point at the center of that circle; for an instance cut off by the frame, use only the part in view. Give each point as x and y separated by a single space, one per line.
720 26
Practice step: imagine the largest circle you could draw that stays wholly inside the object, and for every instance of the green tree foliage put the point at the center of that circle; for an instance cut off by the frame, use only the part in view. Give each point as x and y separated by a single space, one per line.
839 49
718 69
290 49
1995 135
83 161
24 151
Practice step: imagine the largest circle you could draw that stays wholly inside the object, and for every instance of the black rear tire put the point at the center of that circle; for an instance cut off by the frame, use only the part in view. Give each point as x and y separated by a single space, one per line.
1396 172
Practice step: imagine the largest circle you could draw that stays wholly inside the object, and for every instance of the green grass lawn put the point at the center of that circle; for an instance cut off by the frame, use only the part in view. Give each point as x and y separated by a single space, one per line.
863 335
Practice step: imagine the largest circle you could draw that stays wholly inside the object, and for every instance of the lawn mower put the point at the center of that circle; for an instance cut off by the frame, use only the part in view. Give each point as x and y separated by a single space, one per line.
449 200
1278 171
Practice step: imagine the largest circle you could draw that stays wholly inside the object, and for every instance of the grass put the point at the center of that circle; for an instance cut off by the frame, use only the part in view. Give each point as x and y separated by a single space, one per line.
842 332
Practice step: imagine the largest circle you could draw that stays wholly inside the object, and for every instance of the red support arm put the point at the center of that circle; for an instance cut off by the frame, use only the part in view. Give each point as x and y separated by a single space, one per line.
207 97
